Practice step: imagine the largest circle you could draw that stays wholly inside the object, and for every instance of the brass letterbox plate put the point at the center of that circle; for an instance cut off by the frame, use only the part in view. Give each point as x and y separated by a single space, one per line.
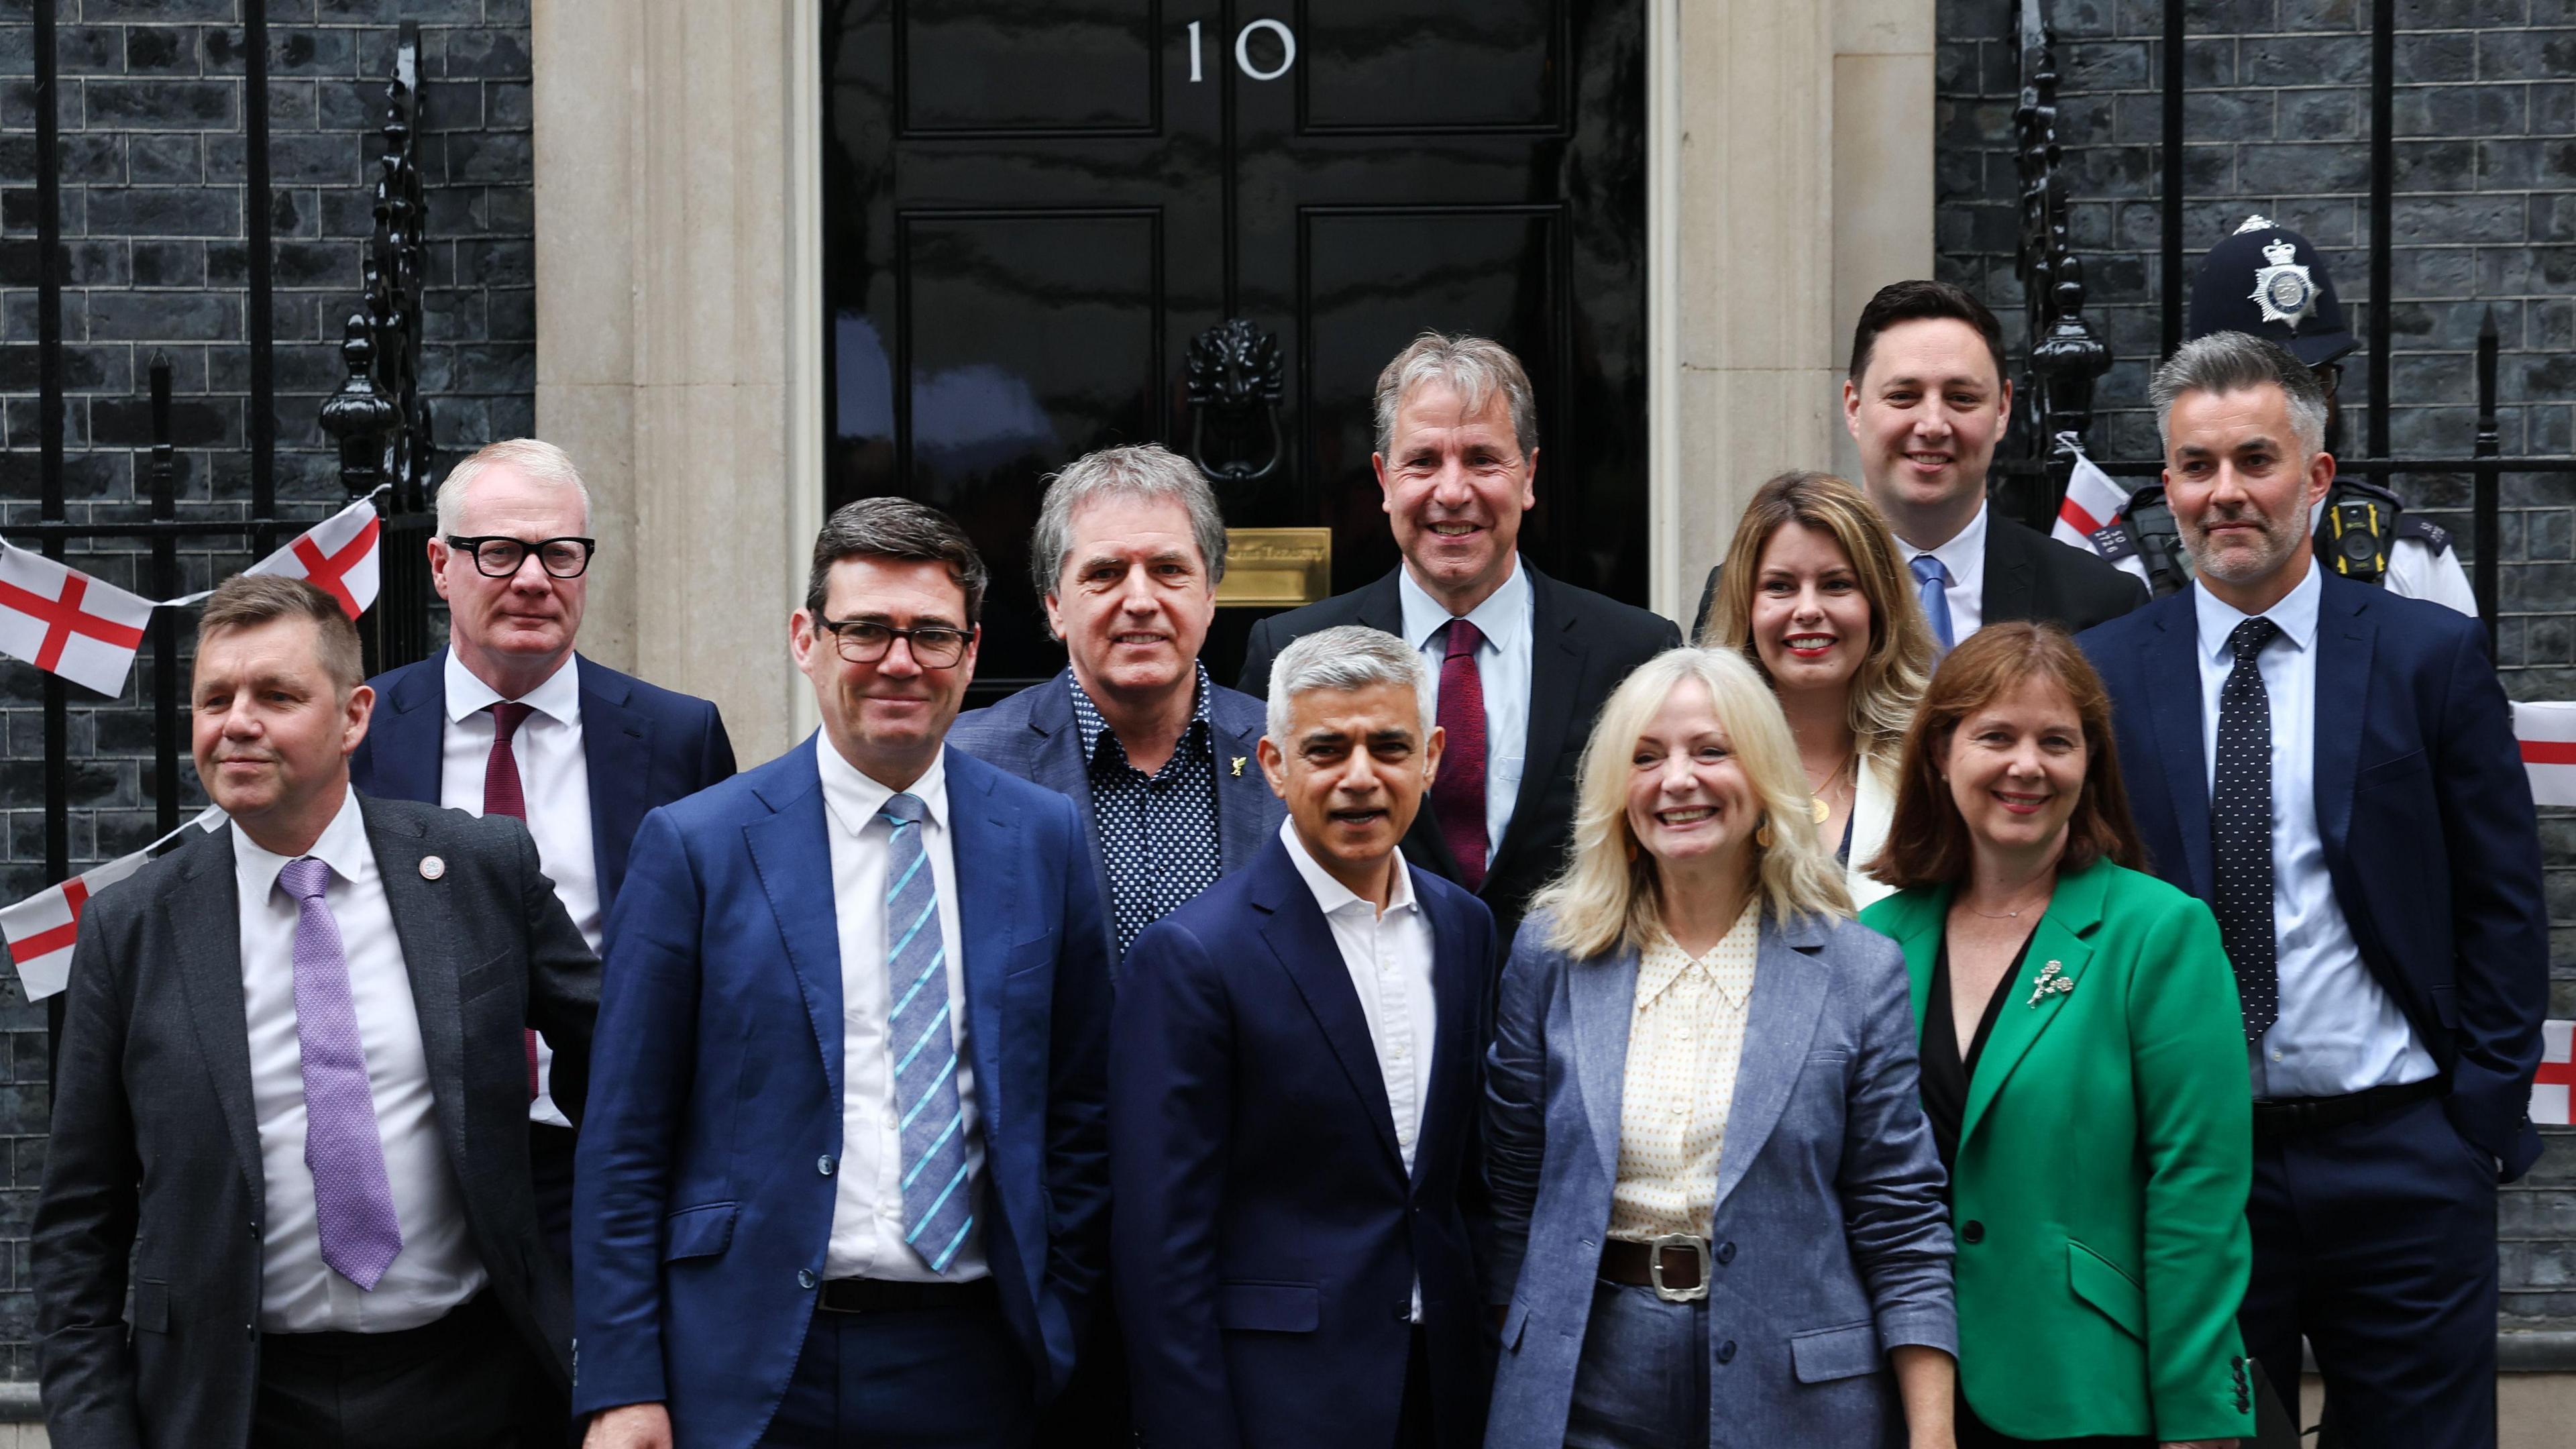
1270 568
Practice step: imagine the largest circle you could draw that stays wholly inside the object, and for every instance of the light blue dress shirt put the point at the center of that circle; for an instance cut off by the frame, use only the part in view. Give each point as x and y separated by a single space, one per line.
1502 665
2339 1031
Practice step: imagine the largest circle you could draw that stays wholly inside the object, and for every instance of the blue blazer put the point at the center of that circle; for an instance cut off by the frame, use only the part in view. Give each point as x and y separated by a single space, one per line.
2424 810
1831 1237
646 746
1032 735
1267 1239
703 1196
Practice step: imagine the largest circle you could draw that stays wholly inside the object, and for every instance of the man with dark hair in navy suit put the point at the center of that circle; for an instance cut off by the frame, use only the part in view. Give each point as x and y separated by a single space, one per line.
508 720
845 1177
2332 767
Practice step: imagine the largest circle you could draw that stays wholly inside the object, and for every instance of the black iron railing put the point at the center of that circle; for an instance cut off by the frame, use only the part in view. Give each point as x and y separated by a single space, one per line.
2065 355
382 423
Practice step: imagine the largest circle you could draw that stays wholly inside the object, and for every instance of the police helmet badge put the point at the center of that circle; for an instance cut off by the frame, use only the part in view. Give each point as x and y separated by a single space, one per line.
2287 293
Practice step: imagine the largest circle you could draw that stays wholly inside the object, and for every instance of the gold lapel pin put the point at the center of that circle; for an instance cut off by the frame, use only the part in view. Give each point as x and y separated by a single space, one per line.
1238 766
431 867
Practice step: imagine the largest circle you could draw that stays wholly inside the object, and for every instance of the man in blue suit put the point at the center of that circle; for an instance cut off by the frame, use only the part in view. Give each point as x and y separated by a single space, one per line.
509 720
1127 554
1293 1094
2333 769
845 1175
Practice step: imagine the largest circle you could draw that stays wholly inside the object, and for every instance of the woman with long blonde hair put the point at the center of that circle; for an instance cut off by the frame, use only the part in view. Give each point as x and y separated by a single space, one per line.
1814 593
1703 1069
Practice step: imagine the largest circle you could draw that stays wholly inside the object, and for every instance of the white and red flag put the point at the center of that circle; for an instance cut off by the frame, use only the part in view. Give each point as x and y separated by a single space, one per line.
42 928
2557 1080
338 555
2093 502
2548 735
65 622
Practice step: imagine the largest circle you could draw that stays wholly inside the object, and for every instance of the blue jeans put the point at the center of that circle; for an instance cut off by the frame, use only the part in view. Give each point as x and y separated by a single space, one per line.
1642 1382
933 1378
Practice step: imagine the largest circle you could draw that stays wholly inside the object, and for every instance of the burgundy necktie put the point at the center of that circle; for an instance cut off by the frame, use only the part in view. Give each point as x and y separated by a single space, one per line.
502 796
1458 794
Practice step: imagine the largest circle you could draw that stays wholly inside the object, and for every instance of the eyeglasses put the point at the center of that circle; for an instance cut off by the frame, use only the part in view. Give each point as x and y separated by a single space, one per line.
862 641
498 556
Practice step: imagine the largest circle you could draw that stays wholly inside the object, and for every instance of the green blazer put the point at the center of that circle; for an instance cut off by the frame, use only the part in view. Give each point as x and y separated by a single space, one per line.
2104 1162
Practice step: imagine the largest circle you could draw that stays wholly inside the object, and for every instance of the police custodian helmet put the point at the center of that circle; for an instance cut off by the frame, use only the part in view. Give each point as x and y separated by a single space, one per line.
2268 281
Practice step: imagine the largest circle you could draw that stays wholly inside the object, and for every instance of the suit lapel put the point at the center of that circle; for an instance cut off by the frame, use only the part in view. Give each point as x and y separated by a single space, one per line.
210 968
1243 819
791 851
1298 936
1382 608
1779 1022
1921 942
407 737
423 914
617 747
985 831
1457 991
2057 941
2345 640
1056 762
2173 714
1557 654
1601 996
2009 591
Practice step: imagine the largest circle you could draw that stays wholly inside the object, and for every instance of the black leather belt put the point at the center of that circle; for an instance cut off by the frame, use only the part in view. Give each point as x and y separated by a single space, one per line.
876 1295
2289 1117
1675 1267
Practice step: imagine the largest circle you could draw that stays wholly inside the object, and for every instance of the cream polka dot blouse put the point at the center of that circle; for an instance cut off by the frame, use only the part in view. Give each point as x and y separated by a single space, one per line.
1685 1035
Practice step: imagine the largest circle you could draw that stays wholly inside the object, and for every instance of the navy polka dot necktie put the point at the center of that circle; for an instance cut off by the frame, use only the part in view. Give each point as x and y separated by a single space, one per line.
2241 828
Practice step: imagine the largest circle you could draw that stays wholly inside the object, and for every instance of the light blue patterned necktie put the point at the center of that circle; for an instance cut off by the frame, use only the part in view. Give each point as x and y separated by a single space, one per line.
1936 598
938 1202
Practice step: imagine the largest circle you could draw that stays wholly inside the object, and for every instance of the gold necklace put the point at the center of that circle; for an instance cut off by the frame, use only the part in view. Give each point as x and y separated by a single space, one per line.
1817 807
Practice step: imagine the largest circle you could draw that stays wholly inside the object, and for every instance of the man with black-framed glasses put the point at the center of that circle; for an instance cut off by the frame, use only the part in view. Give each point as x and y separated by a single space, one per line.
509 719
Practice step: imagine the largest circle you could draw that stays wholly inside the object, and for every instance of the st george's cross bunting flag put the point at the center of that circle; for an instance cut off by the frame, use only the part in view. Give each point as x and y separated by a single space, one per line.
2547 732
42 928
65 622
2556 1082
338 555
2093 502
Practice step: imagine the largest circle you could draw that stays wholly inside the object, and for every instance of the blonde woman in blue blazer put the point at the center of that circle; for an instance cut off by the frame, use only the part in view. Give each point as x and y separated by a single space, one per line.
1716 1200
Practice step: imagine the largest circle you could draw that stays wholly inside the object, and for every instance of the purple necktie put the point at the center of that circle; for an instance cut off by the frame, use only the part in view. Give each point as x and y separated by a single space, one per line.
352 1200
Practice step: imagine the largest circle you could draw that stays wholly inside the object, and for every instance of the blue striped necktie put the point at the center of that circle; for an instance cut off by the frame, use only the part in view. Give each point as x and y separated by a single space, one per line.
938 1202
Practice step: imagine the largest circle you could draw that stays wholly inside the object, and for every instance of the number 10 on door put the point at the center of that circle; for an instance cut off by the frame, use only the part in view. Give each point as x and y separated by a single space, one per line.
1243 50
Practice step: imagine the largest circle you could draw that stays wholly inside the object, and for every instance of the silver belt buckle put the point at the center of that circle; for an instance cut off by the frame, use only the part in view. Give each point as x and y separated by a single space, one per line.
1655 1266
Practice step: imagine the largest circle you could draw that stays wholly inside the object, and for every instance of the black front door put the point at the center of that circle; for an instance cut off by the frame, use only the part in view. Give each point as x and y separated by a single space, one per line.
1033 207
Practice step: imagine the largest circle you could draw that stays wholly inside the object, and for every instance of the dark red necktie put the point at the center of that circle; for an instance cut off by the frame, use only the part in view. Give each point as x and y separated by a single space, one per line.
502 796
1458 794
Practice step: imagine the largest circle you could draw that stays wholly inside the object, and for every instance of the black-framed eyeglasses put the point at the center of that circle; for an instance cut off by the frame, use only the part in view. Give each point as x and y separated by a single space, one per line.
498 556
864 641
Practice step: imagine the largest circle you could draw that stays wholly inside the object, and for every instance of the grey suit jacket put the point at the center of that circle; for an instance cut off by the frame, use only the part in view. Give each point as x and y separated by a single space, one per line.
155 1150
1832 1240
1032 735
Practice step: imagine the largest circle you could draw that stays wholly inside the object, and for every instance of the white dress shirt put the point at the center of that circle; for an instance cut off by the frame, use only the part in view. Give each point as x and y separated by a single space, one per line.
437 1268
554 784
1502 667
2338 1030
867 1210
1389 957
1965 558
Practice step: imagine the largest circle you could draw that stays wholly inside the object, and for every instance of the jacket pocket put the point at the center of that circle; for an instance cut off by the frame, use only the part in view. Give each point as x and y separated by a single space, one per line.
1269 1307
698 1232
2388 772
2099 1281
1820 1354
476 982
151 1305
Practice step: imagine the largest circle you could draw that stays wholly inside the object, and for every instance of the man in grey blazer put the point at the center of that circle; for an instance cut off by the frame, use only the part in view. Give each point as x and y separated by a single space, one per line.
1158 757
293 1094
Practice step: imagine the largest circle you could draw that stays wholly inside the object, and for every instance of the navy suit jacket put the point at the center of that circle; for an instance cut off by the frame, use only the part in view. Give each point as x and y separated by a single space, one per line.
2424 810
646 745
704 1185
1032 735
1267 1238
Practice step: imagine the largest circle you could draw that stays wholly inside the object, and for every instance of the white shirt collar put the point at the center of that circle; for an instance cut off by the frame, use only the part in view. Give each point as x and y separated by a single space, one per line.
1502 618
1965 554
2296 614
558 699
1331 895
854 798
342 846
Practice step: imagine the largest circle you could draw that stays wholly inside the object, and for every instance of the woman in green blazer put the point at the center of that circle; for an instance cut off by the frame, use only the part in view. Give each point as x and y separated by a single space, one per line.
2084 1067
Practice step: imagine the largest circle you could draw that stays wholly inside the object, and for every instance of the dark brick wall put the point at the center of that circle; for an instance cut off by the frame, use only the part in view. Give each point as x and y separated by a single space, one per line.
2277 121
151 107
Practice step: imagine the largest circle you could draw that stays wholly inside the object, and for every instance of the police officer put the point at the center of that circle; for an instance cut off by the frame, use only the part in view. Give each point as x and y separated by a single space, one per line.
2267 280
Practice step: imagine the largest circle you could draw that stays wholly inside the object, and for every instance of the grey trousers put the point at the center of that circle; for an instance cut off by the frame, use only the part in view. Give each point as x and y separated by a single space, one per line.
1642 1382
